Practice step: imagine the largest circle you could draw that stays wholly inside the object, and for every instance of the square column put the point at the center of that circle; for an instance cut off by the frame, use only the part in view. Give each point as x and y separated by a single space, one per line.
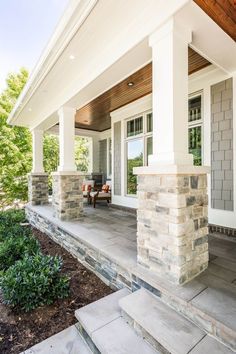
37 179
172 222
170 94
67 139
172 193
67 196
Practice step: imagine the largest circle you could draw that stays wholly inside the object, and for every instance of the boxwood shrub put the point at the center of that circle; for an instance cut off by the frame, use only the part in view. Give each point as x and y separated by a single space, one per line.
15 247
34 281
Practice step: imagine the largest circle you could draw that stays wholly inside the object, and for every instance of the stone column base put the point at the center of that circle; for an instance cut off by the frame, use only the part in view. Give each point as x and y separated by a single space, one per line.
172 223
67 197
38 188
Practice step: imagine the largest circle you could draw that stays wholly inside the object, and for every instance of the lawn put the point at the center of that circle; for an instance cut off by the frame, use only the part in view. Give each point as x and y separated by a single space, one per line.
20 329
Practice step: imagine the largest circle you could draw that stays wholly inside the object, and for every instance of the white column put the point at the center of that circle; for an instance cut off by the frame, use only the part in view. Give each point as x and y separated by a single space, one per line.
170 94
37 137
67 139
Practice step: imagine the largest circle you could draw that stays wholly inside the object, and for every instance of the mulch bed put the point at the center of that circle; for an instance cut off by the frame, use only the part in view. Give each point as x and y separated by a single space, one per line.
19 331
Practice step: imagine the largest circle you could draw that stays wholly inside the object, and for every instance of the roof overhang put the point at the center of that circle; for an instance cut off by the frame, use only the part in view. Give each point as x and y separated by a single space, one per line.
108 44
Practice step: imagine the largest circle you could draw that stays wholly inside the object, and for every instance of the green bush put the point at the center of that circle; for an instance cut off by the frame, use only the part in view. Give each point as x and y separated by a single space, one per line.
15 230
34 281
12 216
14 249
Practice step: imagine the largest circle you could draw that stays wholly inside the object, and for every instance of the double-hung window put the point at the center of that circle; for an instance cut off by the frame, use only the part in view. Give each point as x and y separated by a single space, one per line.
138 145
195 128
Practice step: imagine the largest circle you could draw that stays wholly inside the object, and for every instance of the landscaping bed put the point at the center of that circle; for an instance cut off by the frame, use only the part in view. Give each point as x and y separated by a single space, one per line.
20 330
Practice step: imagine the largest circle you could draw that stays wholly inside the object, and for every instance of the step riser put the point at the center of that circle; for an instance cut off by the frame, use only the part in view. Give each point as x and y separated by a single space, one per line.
222 333
87 338
210 325
143 334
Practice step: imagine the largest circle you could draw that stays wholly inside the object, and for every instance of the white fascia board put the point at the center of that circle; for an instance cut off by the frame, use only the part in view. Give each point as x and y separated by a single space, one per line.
74 16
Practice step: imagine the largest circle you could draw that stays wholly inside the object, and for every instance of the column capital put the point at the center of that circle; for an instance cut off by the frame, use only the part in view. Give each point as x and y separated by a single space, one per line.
66 110
172 26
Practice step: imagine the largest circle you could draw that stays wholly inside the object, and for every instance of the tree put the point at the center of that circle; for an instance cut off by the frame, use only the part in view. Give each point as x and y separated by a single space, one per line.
15 144
16 147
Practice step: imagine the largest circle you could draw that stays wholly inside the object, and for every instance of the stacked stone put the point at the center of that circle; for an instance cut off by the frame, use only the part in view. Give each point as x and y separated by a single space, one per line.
67 198
172 225
38 188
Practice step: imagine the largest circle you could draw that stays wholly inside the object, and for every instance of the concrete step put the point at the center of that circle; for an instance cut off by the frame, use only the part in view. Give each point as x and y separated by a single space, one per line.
64 342
104 330
164 328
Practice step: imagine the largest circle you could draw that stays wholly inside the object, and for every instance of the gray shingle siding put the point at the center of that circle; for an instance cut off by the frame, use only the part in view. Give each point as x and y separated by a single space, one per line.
222 145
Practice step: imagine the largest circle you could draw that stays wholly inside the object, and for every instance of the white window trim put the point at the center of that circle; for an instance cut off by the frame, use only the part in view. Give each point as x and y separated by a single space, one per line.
199 122
144 135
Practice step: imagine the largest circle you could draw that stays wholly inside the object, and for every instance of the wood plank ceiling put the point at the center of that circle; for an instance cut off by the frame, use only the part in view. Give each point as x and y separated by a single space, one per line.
96 114
223 12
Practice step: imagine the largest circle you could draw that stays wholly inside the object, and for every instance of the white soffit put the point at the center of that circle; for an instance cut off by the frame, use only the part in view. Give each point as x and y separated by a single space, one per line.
110 31
209 40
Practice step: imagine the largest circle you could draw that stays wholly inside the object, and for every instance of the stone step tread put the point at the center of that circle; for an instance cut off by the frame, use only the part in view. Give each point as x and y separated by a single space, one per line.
218 301
101 312
210 345
117 337
173 331
64 342
225 263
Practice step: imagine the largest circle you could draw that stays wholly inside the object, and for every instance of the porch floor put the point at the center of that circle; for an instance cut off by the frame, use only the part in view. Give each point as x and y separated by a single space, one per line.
210 297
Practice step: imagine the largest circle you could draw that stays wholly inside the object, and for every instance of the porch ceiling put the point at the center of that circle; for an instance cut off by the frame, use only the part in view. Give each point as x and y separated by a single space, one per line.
96 114
223 12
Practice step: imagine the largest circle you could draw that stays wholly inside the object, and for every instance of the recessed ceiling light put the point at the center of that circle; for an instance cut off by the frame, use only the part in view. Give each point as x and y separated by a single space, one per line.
72 57
29 109
131 83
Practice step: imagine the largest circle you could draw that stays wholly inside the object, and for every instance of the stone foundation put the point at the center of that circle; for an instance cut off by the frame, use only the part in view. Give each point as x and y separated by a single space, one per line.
172 225
67 197
38 188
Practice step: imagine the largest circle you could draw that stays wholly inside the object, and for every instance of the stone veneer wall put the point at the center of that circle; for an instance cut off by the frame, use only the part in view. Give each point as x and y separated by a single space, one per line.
67 196
117 158
222 145
38 188
103 158
172 225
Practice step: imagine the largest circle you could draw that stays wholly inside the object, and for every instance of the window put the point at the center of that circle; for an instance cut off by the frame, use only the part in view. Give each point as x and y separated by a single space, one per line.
134 159
135 127
195 128
138 147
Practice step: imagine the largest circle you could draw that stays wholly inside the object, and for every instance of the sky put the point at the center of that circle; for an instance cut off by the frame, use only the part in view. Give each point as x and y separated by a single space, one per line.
25 28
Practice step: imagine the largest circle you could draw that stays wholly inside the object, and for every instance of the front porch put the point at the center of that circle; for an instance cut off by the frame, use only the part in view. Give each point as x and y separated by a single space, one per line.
104 240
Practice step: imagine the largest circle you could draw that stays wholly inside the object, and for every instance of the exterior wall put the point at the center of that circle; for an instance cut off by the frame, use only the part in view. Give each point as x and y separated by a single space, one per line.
208 81
222 145
117 158
103 157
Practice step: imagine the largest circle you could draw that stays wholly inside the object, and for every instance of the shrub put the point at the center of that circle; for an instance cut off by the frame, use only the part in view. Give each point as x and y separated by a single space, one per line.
12 216
14 248
34 281
15 230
